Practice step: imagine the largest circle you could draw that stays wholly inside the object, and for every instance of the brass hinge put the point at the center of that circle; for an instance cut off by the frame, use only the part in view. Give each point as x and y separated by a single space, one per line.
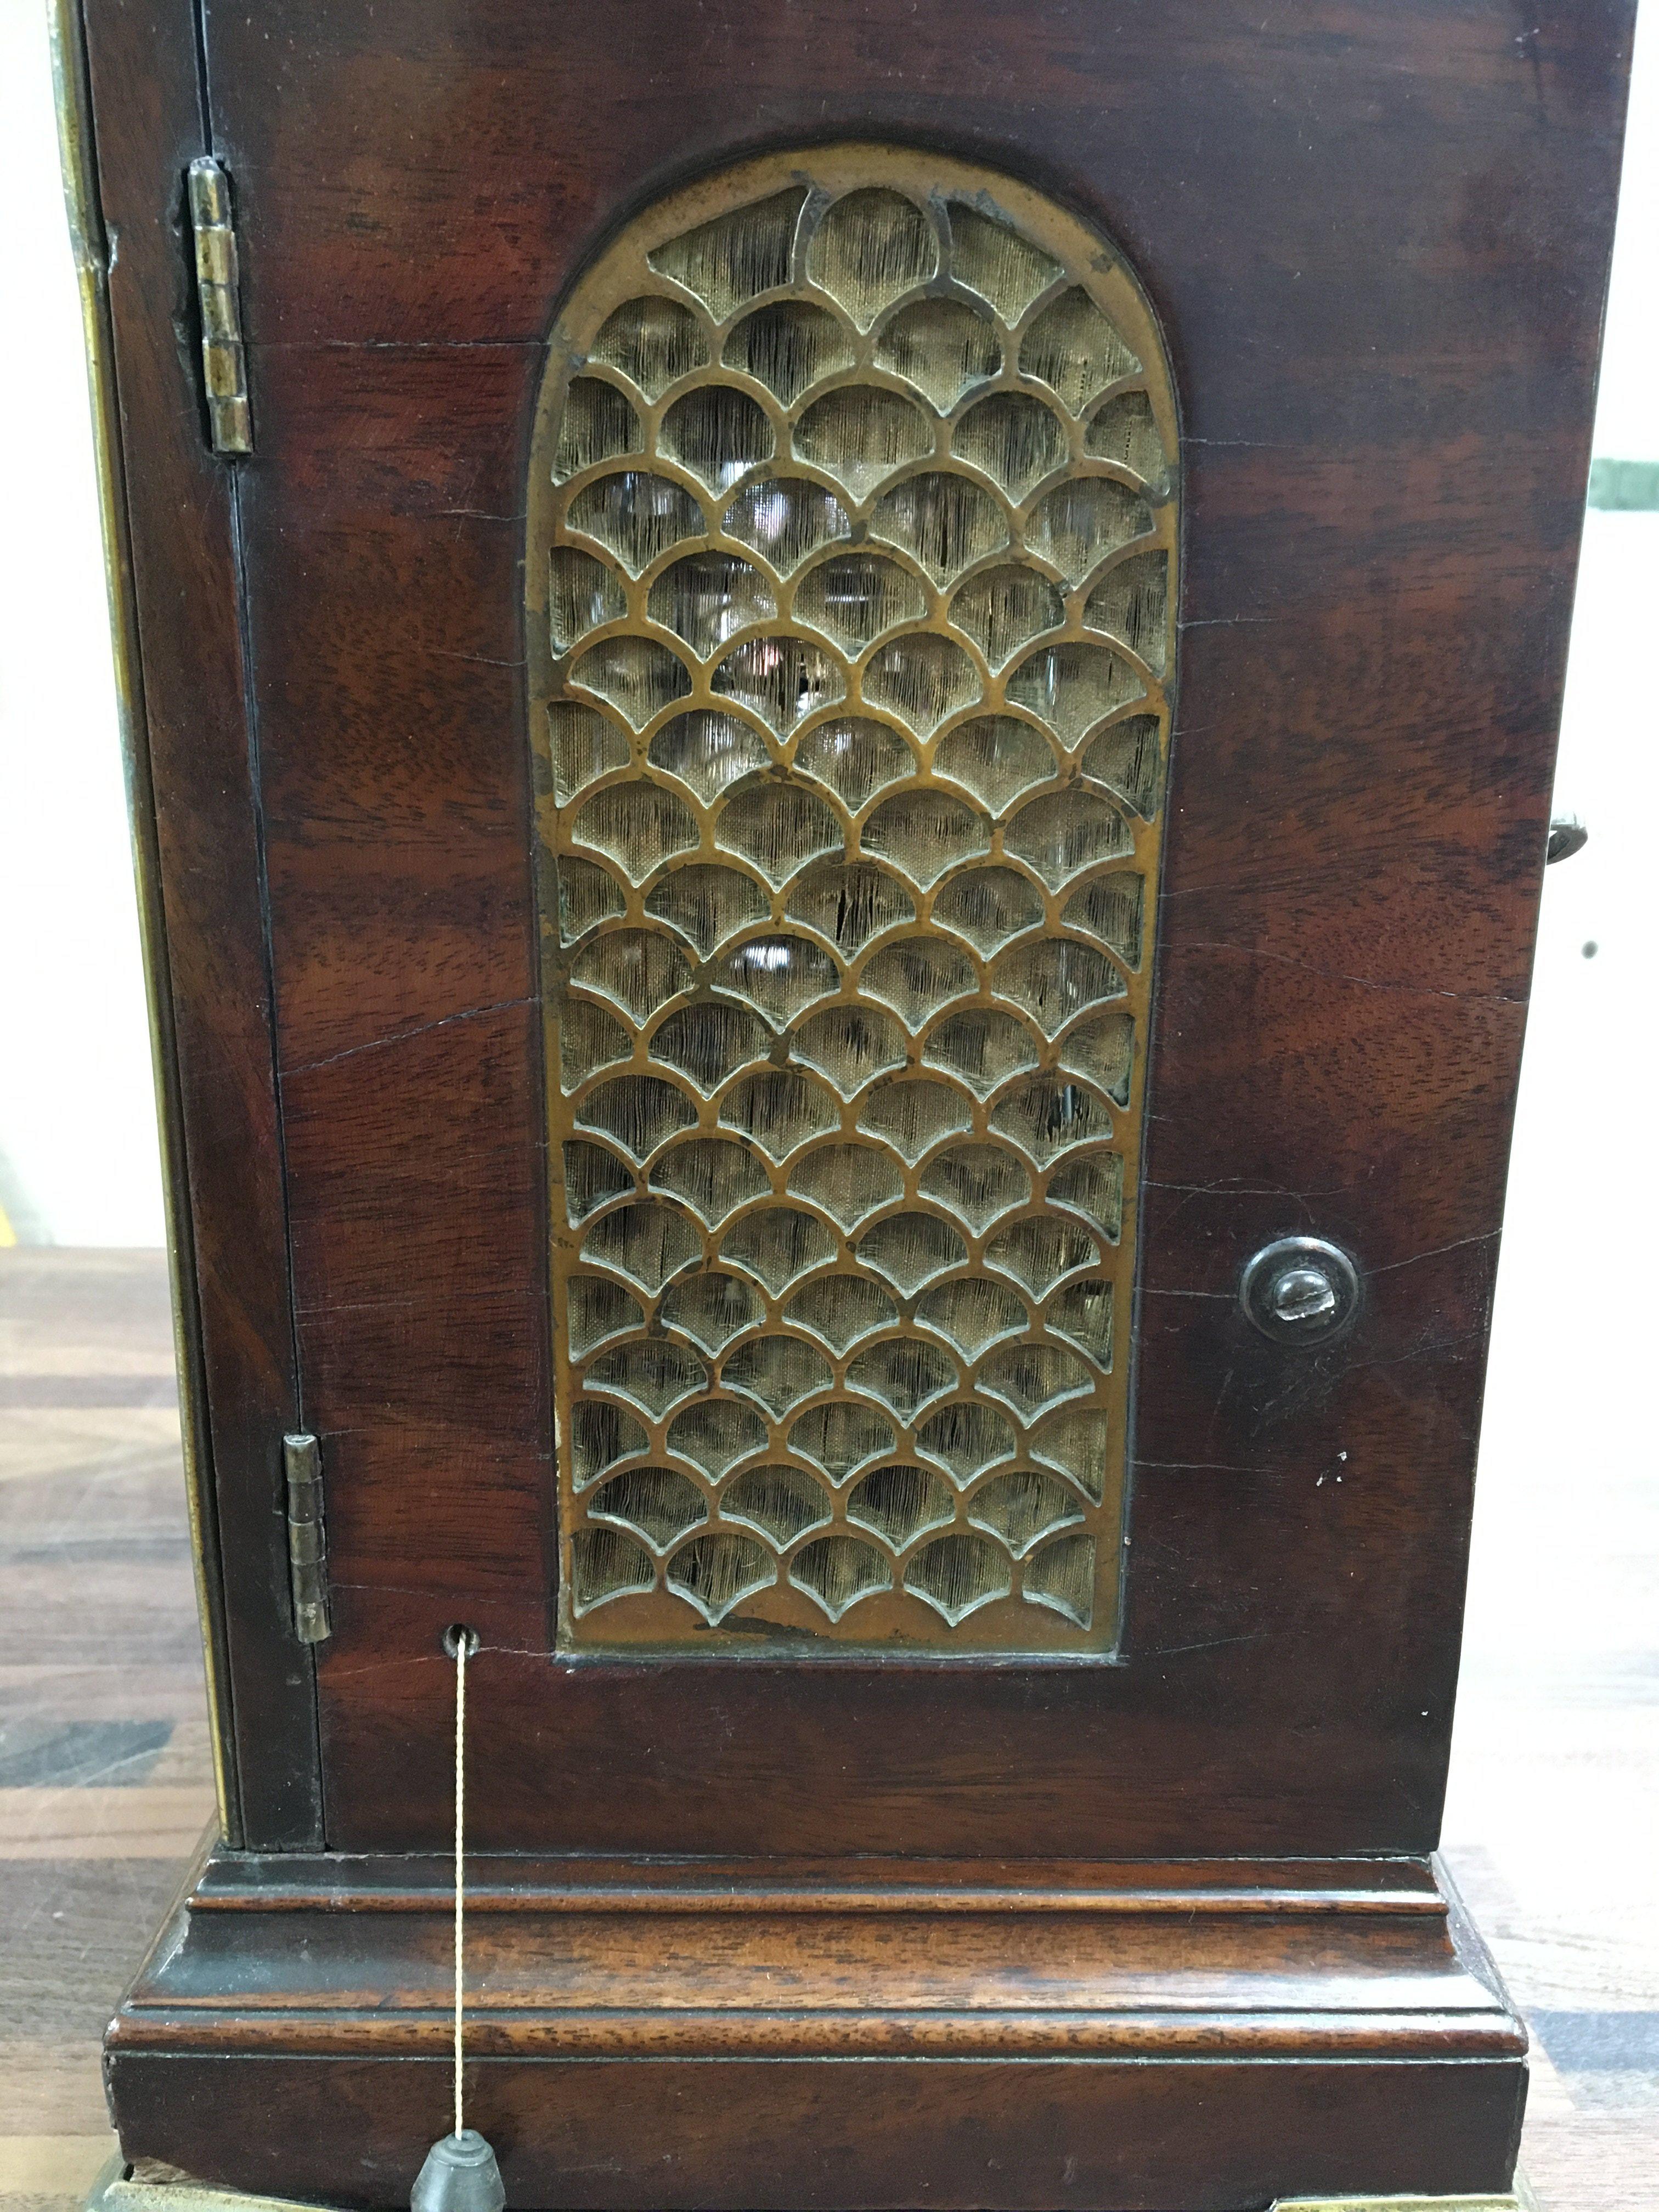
224 362
307 1545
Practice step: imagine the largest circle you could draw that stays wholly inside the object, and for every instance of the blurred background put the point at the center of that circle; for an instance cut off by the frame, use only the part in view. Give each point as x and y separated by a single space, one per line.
1552 1826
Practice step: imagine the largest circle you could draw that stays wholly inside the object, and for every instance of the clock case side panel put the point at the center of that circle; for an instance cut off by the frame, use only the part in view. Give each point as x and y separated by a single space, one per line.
170 534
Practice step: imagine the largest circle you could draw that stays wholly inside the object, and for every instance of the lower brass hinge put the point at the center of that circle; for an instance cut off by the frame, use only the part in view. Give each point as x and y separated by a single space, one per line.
218 292
307 1545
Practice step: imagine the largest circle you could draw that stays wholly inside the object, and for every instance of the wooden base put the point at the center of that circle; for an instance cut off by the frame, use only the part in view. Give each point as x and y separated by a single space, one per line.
122 2190
116 2190
1172 2037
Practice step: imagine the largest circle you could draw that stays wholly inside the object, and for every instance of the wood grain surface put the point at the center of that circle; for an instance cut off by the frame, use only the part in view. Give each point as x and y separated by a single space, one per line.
1376 238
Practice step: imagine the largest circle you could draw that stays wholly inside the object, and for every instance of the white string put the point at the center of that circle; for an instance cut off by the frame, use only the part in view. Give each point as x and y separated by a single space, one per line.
463 1638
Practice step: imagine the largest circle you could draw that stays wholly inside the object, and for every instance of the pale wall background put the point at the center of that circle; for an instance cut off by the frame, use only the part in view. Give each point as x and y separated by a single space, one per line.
78 1161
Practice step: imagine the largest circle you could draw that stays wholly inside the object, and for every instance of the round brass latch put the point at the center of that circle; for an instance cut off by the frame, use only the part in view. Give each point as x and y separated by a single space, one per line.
1299 1290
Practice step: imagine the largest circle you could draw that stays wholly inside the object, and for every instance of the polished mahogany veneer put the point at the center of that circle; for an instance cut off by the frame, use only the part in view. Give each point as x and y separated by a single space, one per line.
1147 1917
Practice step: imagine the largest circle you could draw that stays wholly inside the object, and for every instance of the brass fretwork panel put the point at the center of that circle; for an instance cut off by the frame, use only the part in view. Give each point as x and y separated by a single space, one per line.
851 578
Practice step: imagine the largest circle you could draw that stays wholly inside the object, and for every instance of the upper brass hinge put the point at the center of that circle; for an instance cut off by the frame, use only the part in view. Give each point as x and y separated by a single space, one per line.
224 361
307 1545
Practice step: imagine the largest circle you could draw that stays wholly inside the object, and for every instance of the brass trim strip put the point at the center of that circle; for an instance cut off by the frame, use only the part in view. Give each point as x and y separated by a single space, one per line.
118 2189
73 98
1498 2203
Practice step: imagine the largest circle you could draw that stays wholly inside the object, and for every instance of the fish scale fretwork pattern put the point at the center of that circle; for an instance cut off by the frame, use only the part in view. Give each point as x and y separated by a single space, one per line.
852 599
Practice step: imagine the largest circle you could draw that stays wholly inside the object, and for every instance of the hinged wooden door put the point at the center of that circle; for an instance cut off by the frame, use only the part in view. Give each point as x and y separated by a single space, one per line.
1364 366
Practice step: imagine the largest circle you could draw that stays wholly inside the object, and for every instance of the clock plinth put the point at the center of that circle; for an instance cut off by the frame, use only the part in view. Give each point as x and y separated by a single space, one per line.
1296 2026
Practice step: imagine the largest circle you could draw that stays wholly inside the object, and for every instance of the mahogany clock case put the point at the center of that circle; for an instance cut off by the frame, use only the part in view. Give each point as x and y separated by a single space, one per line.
1138 1910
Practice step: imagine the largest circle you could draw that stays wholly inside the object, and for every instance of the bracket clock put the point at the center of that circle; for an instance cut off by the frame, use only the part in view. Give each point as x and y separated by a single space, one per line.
840 720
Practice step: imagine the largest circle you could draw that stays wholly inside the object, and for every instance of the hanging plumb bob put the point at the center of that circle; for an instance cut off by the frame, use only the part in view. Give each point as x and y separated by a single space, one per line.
461 2173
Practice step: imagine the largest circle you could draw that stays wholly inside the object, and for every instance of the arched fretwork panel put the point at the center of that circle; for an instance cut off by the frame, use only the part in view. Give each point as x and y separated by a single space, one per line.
852 592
